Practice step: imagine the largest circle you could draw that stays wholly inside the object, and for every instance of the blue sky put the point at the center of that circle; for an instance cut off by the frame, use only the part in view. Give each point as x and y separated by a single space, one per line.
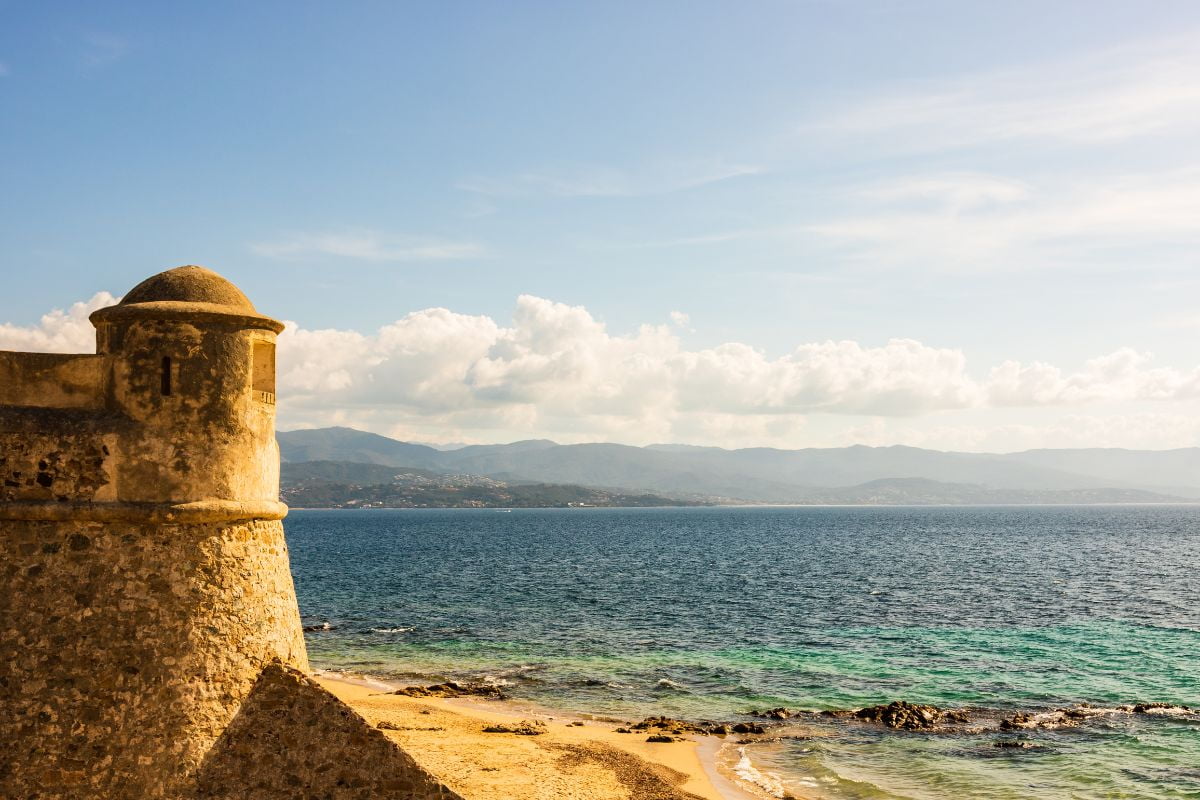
717 215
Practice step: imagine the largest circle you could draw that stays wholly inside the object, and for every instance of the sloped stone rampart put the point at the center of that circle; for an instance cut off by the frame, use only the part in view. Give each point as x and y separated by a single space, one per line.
293 739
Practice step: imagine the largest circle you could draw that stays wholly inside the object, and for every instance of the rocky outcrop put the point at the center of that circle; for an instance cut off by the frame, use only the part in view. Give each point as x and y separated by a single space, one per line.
677 727
1158 708
1077 715
774 713
525 727
669 725
905 716
454 689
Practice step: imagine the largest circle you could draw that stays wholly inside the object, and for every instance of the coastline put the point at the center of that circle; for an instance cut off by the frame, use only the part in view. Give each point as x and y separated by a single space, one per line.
576 756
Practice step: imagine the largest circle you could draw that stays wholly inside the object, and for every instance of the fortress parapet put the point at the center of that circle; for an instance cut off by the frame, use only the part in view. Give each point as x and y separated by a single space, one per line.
172 418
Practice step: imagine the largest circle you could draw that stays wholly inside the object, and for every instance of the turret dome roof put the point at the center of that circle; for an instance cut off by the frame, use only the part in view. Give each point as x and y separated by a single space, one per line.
191 292
190 284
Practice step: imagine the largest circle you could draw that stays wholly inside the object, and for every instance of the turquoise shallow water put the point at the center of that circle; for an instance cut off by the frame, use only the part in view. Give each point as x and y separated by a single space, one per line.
709 613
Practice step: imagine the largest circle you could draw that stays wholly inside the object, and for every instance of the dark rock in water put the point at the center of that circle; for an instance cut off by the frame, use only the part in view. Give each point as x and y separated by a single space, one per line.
523 728
664 739
773 713
324 626
1019 721
1146 708
901 715
828 713
1014 745
454 689
667 724
676 727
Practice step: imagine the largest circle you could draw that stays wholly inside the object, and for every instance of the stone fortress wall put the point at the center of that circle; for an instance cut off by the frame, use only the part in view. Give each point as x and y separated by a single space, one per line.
150 642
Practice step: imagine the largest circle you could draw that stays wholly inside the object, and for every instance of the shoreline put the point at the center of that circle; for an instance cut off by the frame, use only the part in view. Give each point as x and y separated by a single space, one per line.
1130 504
700 767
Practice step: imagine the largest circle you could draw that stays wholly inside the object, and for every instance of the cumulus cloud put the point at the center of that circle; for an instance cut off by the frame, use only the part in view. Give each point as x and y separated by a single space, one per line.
555 370
557 361
59 331
1123 375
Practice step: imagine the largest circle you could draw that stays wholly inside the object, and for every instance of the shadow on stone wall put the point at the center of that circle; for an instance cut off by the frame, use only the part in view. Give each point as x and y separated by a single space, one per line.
292 738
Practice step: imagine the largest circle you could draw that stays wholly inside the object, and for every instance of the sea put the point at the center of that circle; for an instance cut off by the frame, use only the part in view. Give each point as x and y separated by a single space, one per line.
1069 614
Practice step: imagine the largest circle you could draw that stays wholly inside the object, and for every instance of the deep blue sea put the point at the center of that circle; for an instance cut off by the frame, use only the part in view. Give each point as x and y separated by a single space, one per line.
708 613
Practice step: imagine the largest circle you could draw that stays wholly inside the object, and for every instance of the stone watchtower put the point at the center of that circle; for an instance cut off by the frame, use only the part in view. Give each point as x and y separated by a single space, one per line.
145 593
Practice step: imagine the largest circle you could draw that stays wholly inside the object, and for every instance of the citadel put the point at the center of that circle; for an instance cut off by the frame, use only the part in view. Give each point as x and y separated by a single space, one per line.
150 641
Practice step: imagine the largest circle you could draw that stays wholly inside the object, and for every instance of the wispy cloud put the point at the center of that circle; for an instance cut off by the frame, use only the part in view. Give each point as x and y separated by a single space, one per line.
1113 95
699 240
591 180
366 246
101 49
978 221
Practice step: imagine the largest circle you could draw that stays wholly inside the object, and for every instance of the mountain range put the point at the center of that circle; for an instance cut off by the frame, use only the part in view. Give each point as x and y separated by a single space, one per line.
346 484
768 475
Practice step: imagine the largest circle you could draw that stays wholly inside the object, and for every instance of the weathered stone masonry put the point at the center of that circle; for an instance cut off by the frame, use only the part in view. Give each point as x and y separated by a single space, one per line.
146 600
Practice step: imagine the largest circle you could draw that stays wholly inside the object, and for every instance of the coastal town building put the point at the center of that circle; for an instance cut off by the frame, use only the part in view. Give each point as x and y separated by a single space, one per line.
150 641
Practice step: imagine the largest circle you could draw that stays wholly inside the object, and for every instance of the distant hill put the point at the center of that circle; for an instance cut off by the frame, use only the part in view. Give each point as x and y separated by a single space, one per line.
313 472
767 475
341 484
348 444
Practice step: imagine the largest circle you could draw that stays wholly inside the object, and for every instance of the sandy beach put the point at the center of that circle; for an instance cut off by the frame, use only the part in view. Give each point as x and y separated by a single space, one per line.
572 759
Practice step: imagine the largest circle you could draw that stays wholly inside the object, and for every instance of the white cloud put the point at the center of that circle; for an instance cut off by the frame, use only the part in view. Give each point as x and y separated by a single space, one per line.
59 331
556 371
1120 376
558 362
366 246
954 191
